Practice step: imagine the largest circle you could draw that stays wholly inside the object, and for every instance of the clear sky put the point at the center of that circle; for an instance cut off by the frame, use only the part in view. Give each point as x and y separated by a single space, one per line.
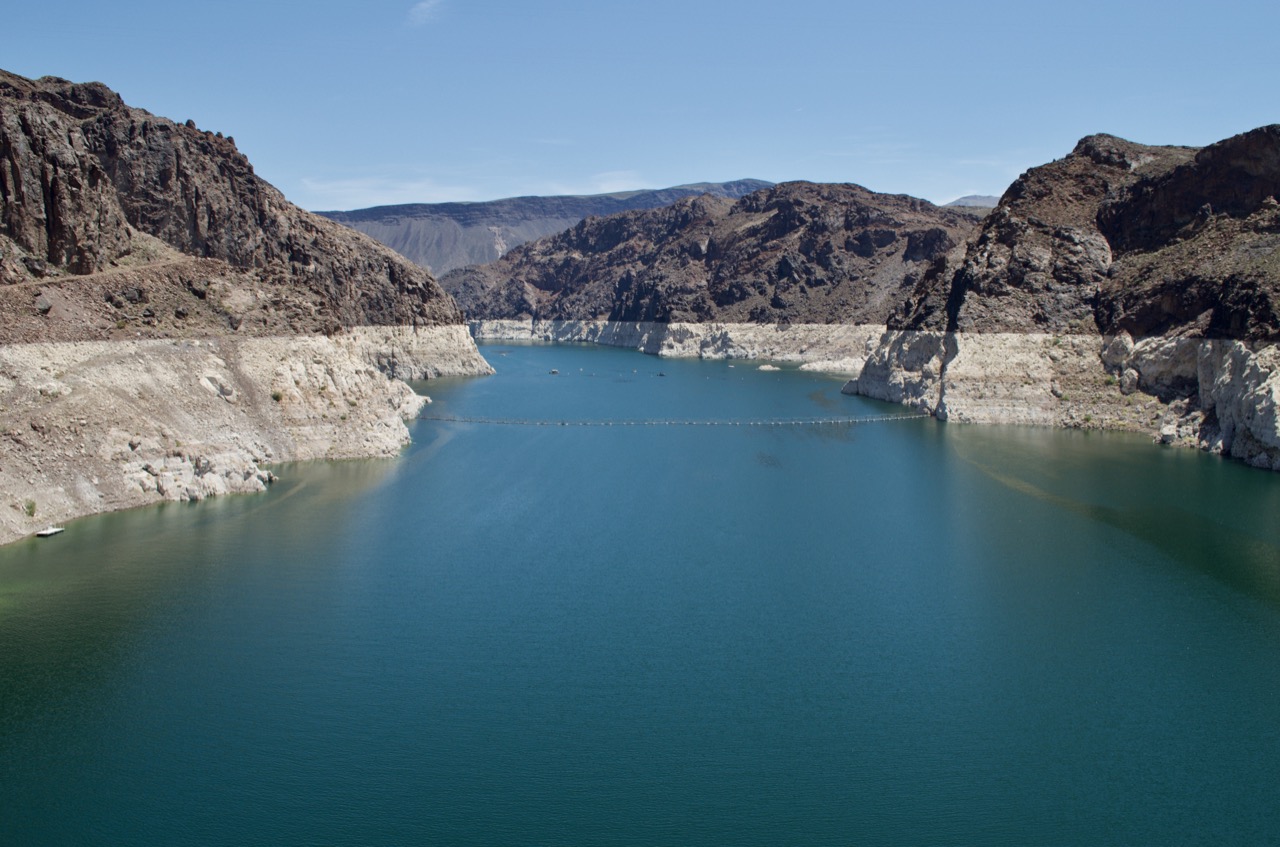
350 104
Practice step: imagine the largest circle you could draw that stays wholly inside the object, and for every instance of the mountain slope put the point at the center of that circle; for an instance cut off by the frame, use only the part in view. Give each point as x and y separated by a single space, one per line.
444 236
1123 237
169 323
89 185
795 252
1123 286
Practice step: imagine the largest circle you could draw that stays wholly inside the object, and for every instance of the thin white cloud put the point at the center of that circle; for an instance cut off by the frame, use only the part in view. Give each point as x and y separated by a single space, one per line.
423 12
611 181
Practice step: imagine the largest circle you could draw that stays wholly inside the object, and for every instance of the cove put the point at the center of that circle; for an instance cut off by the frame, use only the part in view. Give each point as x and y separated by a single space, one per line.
903 632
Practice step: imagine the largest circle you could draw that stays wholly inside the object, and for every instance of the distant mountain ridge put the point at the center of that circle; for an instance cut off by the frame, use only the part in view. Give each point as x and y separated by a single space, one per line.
444 236
793 252
971 201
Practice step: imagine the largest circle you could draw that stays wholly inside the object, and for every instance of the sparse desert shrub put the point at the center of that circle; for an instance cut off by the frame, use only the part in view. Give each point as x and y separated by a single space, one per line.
29 508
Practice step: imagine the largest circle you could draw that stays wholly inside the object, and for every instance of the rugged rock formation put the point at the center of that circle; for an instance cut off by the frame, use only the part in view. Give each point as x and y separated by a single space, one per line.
796 252
1122 237
168 321
1123 286
89 185
1038 262
444 236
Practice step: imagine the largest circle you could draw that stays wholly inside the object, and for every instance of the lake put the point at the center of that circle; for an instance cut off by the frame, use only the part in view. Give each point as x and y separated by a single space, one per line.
894 632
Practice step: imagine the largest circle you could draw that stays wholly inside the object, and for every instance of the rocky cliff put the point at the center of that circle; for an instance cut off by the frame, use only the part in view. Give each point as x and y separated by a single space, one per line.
444 236
1123 286
90 185
161 306
792 253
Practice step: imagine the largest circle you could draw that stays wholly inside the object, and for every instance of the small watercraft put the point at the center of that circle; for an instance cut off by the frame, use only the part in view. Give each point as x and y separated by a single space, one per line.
49 530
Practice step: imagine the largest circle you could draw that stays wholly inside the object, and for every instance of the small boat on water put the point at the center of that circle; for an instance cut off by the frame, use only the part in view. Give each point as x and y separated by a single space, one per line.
49 530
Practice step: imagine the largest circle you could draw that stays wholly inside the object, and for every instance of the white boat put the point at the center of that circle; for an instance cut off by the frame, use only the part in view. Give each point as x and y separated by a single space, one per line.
49 530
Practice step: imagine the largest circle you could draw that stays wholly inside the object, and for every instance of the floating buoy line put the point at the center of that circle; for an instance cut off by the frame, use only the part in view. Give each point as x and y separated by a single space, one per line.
675 422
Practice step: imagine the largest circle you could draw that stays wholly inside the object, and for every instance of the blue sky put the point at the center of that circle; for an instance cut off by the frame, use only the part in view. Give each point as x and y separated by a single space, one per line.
350 104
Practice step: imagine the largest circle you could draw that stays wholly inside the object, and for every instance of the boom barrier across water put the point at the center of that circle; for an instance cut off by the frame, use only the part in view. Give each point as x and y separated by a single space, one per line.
677 422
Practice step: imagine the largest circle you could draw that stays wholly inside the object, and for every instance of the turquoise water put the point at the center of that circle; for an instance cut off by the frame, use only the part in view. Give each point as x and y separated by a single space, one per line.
889 633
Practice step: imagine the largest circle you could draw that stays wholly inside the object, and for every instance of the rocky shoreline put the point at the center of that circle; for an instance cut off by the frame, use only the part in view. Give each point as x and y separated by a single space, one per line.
171 326
1218 395
96 426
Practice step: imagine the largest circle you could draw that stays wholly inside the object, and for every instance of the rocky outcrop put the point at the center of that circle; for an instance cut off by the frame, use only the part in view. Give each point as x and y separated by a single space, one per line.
1216 394
95 426
1124 286
169 323
794 253
1123 237
1039 261
88 185
445 236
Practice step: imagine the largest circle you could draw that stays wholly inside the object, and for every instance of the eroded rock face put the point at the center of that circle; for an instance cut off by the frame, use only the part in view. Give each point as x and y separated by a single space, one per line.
1106 290
1124 286
445 236
169 323
1039 262
796 252
1198 248
1123 237
1240 394
89 185
93 426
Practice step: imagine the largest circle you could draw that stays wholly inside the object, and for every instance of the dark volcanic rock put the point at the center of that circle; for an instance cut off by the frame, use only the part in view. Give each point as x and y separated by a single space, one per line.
1118 237
796 252
1198 249
89 185
1039 261
1231 178
444 236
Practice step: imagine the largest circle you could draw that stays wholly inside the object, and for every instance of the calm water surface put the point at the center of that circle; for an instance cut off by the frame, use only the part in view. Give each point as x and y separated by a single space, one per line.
891 633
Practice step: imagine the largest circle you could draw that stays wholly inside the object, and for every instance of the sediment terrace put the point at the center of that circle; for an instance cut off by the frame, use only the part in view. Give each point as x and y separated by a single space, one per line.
95 426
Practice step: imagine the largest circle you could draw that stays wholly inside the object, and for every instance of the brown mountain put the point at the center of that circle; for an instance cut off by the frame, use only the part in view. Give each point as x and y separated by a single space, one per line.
1123 286
444 236
169 322
129 224
1123 237
795 252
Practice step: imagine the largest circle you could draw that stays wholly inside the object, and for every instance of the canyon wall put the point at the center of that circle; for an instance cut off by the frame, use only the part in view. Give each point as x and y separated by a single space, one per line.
170 324
1124 286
